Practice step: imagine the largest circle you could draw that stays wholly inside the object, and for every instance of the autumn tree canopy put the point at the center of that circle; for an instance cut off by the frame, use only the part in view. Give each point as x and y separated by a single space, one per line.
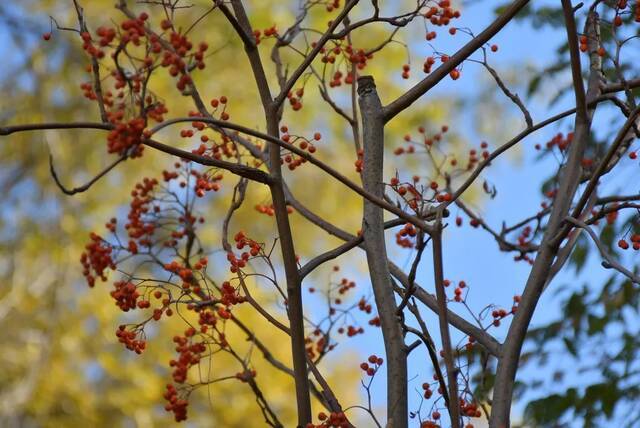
247 213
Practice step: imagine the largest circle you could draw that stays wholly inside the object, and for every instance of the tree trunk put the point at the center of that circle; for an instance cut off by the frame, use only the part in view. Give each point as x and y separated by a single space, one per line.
374 243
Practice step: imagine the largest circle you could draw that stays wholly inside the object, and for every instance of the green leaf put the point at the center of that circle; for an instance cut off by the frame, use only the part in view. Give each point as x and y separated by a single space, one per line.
575 310
579 255
607 235
606 394
550 409
596 324
571 347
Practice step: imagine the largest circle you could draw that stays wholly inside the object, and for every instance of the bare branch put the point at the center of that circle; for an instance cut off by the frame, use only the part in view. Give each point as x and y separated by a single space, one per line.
512 96
340 250
482 337
8 130
452 371
609 262
239 192
87 185
95 66
303 154
394 108
238 169
314 52
604 163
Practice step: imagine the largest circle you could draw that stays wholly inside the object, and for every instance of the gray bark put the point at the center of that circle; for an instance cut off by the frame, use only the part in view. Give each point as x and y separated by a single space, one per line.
374 243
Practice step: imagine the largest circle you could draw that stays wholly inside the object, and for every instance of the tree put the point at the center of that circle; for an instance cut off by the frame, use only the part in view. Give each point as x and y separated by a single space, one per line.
167 262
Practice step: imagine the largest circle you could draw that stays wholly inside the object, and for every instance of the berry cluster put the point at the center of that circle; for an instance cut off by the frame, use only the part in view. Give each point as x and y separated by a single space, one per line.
125 295
499 314
243 241
458 291
291 159
96 258
426 387
246 375
559 140
130 340
635 242
318 347
125 136
230 295
259 35
190 354
138 227
175 404
333 5
359 161
372 365
404 235
216 103
205 182
332 420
